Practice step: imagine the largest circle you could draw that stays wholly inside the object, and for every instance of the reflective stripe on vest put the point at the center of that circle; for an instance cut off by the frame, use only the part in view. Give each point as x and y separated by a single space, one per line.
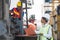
17 14
47 32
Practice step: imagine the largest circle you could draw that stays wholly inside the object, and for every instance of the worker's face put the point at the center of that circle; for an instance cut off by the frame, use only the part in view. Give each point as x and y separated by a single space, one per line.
42 20
32 21
19 7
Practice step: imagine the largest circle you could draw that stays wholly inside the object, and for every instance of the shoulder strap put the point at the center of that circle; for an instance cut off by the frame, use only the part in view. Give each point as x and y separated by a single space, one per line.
51 37
48 29
15 11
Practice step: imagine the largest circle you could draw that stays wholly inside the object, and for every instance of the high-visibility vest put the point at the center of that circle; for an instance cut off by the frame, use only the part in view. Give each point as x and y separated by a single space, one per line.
31 29
16 13
44 30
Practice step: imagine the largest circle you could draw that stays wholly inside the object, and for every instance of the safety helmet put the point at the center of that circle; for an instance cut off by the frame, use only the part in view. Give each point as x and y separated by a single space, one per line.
30 19
19 3
47 16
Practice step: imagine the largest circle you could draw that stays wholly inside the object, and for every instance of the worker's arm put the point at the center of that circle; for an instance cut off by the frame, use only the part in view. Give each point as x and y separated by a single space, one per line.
37 31
49 34
11 12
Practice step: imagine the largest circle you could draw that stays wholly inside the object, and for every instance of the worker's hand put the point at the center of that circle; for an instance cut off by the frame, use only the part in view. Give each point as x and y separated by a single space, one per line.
11 13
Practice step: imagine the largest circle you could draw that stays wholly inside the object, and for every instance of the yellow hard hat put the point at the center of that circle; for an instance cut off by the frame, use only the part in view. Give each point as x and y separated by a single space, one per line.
19 3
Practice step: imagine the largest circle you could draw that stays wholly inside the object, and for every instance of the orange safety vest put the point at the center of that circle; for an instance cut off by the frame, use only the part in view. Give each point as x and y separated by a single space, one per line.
17 14
30 30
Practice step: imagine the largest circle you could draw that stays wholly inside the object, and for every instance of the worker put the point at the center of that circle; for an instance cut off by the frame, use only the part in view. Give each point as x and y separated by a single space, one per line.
46 29
16 17
31 22
31 28
16 12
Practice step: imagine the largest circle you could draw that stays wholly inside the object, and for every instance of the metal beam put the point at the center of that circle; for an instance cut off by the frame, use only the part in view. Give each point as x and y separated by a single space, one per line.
26 14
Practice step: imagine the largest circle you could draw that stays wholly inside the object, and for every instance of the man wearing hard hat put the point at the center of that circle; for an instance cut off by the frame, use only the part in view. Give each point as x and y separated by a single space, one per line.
31 27
46 30
16 16
16 12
